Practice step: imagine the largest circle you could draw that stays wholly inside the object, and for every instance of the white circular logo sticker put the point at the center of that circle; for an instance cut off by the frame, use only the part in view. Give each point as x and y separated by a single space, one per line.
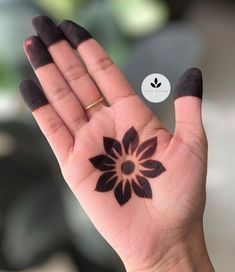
156 88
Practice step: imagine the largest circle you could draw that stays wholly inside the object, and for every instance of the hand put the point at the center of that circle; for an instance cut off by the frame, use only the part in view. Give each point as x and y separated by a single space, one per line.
142 187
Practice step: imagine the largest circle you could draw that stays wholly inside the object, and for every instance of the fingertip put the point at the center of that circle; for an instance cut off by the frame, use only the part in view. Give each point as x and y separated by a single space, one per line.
22 83
47 29
189 84
75 33
38 18
32 95
36 51
29 41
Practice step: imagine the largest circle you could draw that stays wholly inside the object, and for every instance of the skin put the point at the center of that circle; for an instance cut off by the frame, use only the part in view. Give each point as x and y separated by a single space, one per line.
162 233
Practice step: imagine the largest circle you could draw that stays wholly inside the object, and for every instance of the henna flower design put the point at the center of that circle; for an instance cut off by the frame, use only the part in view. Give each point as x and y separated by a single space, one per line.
127 166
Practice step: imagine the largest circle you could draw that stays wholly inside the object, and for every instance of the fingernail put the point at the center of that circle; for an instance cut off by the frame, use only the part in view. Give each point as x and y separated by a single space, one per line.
74 33
47 30
189 84
32 95
37 52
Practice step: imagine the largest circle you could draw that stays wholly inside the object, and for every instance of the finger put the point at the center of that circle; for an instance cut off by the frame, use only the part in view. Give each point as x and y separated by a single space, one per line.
56 88
107 76
188 104
51 124
71 67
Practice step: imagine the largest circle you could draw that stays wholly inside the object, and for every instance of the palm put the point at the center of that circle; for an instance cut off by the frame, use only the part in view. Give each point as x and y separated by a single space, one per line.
141 186
175 194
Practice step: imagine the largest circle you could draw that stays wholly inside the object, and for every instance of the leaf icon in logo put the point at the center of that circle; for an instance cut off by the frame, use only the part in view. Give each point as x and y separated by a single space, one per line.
156 84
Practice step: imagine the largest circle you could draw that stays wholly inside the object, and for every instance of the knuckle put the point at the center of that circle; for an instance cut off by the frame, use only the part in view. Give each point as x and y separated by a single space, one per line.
54 125
77 123
60 93
194 147
75 72
193 131
196 141
102 64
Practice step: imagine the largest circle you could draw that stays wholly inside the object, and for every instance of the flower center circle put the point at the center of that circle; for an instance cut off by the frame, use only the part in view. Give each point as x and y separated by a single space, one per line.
128 167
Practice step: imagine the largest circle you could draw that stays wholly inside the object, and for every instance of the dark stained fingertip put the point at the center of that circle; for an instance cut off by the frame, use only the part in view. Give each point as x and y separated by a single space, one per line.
74 33
189 84
33 96
47 30
37 52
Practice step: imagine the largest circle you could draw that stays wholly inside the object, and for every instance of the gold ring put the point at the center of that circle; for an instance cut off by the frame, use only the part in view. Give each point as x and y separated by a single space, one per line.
93 104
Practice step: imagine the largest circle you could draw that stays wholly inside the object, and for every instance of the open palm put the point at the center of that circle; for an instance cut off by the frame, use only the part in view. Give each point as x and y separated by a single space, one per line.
142 187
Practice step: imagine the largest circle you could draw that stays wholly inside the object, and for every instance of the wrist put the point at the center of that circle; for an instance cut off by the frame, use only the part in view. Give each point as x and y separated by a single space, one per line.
188 255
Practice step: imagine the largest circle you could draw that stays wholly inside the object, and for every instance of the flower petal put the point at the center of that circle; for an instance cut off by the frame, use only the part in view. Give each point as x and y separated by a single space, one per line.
148 148
143 189
106 182
155 168
111 145
130 140
123 196
102 162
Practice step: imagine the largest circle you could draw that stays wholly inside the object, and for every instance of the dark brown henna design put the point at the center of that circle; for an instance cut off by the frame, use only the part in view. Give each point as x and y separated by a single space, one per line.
32 94
103 162
155 168
123 194
189 84
37 52
47 30
106 182
111 146
74 33
130 140
147 148
127 166
142 188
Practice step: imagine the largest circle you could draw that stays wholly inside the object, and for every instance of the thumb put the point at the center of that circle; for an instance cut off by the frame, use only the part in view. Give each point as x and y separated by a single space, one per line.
188 104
